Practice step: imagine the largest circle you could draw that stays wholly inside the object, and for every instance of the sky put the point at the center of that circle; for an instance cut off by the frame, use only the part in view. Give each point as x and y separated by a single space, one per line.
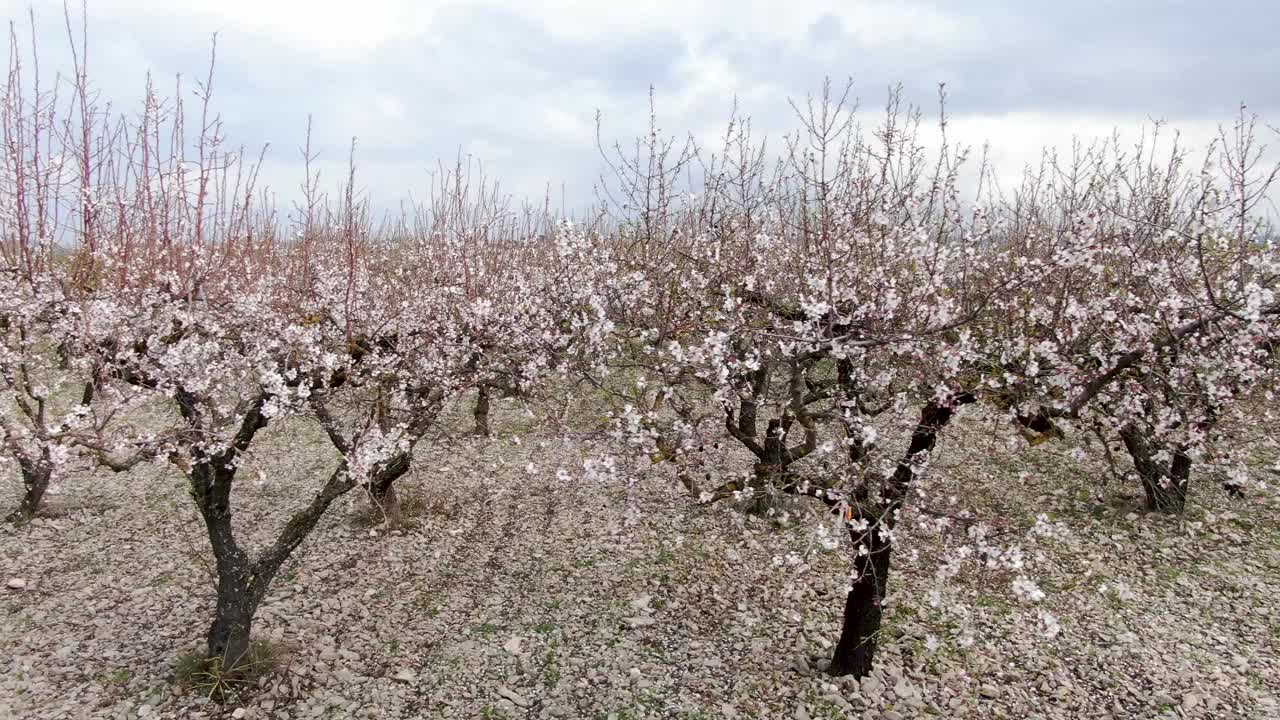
517 85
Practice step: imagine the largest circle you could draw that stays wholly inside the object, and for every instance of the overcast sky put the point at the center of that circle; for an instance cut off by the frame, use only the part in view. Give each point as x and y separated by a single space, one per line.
518 84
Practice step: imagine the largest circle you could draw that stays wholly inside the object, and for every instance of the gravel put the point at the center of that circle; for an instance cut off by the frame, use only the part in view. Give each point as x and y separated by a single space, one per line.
516 594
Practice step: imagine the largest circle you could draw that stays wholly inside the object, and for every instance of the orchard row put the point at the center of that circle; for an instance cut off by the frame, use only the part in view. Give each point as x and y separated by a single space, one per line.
155 307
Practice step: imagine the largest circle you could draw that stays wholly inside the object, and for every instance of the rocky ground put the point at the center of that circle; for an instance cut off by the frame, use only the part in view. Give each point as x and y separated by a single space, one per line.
517 592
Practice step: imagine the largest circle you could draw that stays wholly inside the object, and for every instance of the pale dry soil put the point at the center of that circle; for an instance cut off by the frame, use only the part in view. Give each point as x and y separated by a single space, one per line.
514 593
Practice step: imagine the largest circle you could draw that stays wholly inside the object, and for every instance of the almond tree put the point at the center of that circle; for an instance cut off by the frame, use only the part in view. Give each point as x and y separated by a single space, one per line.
57 149
193 308
229 365
1159 328
801 304
500 252
468 295
38 421
34 312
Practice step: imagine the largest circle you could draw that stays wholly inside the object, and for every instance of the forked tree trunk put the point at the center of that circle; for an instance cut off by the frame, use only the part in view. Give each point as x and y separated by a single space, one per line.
482 412
770 471
243 582
864 605
1165 485
35 483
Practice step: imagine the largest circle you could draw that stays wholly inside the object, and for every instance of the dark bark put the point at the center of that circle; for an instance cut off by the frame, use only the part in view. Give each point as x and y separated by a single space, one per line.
382 492
773 456
35 483
482 412
37 470
484 401
388 503
764 478
244 581
228 636
863 609
769 471
1164 484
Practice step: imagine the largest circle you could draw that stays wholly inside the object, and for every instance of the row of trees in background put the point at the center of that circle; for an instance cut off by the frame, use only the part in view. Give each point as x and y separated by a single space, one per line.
154 306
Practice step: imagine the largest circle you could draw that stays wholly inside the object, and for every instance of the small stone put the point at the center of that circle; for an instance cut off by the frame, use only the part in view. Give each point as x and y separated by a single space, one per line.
801 664
16 584
639 621
891 715
1190 700
406 675
801 713
989 691
513 646
872 686
239 713
835 698
513 696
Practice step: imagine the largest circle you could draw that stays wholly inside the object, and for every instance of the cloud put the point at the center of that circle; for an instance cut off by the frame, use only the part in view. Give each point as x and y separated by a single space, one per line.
519 84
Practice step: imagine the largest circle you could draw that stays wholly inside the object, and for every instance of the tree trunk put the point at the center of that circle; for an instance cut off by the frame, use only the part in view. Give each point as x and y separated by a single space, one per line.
762 484
383 496
35 482
482 412
863 611
242 583
228 638
1165 486
1174 498
770 470
382 489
